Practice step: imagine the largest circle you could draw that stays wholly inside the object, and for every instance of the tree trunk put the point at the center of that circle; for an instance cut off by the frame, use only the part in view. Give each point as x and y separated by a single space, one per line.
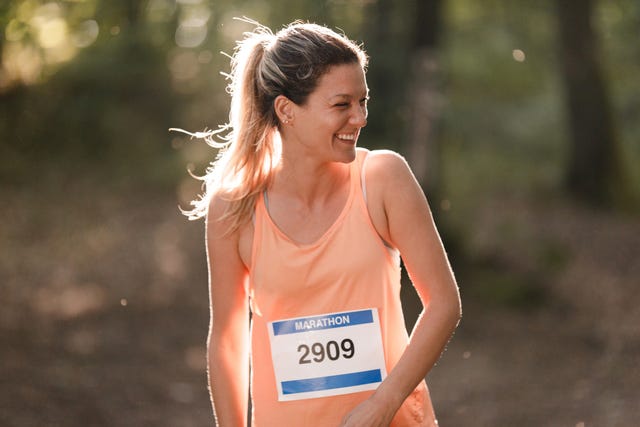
385 63
594 168
425 98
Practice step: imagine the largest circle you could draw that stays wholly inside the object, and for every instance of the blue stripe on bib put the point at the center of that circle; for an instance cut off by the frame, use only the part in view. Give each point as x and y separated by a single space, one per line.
332 382
316 323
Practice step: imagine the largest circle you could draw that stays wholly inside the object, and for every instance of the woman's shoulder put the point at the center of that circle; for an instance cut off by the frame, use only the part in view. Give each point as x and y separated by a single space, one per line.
221 223
217 206
384 164
384 172
217 217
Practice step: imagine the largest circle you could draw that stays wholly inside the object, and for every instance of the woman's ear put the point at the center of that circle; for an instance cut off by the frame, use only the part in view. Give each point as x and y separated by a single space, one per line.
284 109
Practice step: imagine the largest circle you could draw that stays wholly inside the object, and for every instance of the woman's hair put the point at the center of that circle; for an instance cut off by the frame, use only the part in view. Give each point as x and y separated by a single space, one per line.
265 65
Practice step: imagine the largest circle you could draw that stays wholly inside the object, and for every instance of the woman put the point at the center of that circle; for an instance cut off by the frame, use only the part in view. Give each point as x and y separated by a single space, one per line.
305 231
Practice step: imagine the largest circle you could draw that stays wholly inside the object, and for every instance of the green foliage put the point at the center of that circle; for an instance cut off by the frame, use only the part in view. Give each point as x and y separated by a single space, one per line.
93 113
154 64
505 127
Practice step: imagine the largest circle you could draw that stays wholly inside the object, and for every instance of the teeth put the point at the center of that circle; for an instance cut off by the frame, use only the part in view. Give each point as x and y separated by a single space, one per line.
348 136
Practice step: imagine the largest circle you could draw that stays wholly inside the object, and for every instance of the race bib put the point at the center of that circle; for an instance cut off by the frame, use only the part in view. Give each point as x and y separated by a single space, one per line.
327 355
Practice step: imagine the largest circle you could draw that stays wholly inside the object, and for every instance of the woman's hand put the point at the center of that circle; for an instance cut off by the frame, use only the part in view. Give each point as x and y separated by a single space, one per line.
368 414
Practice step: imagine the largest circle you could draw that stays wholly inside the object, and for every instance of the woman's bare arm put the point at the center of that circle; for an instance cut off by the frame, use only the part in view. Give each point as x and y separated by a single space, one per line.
228 339
408 225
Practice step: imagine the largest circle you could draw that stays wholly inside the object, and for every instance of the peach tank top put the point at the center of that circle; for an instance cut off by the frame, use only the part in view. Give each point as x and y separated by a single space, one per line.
348 269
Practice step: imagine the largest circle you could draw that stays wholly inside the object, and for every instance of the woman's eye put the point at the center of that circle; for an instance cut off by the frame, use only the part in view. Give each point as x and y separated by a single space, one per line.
342 104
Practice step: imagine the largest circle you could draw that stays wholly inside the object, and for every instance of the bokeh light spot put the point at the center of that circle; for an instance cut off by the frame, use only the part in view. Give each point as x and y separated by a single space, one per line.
518 55
86 34
52 33
191 33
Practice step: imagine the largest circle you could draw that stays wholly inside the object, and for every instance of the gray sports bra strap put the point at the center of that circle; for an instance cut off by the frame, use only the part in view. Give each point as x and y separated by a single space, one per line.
363 181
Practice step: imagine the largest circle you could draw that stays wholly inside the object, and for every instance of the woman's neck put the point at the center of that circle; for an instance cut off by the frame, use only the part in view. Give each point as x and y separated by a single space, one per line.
308 179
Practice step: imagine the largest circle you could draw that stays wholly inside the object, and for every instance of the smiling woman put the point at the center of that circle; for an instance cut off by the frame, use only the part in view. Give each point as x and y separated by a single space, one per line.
305 233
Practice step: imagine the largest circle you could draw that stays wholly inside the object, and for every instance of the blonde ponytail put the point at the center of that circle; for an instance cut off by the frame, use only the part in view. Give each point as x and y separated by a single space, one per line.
247 153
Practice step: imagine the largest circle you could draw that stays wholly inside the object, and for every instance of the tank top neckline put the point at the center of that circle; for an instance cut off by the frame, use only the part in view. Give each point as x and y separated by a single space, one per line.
330 230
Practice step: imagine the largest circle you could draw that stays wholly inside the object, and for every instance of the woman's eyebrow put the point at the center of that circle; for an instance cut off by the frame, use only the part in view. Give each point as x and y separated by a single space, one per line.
346 95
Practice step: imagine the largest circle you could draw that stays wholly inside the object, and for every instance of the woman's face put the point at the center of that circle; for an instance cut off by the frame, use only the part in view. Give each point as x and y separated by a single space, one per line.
329 123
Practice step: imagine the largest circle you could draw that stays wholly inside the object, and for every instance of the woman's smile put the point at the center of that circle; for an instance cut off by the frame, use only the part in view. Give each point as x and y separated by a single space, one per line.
348 138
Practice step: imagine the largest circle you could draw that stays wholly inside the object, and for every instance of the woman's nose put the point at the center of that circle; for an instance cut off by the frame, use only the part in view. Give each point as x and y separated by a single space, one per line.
359 116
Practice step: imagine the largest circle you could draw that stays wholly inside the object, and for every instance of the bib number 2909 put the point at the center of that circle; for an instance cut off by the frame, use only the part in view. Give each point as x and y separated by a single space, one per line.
318 352
327 354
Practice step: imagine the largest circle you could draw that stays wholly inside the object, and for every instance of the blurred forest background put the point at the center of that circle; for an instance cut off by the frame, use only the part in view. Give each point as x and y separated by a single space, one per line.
520 118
